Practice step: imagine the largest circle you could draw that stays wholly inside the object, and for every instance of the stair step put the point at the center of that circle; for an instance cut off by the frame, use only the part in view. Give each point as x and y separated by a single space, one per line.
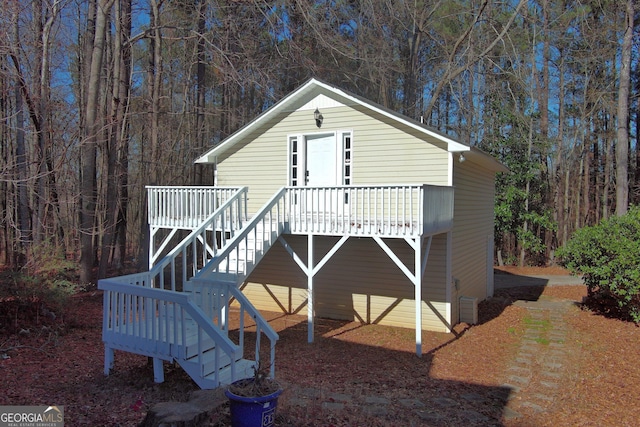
208 361
191 348
244 369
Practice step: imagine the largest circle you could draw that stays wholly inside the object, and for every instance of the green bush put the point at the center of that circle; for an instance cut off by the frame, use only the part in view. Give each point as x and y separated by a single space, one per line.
608 257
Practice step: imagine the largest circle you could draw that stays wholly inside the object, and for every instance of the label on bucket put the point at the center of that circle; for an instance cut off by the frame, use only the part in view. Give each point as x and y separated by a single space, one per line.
268 417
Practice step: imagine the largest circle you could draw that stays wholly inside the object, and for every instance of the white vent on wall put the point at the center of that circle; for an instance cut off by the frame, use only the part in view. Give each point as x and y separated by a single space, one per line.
469 310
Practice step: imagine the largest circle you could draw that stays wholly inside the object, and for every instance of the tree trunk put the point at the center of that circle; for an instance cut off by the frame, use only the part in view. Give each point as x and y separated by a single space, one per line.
155 78
622 148
24 216
88 150
117 132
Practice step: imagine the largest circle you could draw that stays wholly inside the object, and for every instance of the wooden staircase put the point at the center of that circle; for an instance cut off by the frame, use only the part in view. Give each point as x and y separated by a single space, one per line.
179 310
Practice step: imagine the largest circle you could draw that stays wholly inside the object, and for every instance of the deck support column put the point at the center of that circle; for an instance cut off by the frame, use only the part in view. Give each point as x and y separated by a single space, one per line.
108 360
158 370
311 270
417 282
415 276
310 274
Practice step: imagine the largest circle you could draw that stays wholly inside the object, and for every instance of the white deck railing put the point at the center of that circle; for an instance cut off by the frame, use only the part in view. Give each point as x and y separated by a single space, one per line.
185 207
167 325
154 321
244 250
387 211
384 210
194 252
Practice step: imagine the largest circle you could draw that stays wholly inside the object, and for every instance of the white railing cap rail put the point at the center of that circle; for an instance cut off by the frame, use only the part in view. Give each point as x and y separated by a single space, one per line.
187 187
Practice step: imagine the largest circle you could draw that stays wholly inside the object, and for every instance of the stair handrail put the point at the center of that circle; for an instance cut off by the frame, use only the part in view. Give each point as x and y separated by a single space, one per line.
113 309
242 234
239 199
179 298
261 326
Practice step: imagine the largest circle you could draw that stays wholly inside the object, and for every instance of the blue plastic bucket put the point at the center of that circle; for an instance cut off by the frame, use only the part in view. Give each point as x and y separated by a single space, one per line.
253 411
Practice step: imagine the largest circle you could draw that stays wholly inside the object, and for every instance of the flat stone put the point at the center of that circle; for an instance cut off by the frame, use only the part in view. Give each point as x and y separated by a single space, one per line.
185 414
473 397
552 365
429 417
526 355
513 388
519 380
376 410
473 416
339 397
543 397
549 384
309 392
554 375
510 414
333 406
411 403
524 360
298 401
533 406
444 402
520 370
375 400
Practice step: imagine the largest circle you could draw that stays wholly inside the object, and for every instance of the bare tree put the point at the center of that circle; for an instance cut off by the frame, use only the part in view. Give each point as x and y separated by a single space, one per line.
622 147
88 150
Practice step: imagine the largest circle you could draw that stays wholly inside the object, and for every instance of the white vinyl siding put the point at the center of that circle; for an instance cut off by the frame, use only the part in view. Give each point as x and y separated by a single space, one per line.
360 283
381 154
473 223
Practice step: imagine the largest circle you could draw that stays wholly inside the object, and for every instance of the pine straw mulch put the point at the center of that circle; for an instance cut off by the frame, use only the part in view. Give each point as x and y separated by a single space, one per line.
61 363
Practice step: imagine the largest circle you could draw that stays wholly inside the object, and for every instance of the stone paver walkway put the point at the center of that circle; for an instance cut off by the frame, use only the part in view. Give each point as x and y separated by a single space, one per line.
536 373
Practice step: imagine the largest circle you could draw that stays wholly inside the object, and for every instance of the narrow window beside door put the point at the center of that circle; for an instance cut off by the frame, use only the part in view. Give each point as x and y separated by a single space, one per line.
346 148
294 161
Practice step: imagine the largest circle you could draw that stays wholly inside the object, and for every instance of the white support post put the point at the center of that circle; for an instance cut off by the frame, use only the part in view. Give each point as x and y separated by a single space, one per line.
449 284
310 309
158 370
310 270
414 276
418 293
152 234
108 360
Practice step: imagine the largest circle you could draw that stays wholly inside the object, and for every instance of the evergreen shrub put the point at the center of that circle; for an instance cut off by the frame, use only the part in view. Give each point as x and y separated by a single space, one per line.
607 256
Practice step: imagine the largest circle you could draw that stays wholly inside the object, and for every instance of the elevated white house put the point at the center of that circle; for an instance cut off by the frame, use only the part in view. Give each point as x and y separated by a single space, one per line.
325 204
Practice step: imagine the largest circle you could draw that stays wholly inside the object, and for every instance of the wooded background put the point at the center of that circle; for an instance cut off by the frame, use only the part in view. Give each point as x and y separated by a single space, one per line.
99 98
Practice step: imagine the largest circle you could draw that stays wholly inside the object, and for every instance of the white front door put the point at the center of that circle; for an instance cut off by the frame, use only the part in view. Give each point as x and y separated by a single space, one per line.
321 159
321 171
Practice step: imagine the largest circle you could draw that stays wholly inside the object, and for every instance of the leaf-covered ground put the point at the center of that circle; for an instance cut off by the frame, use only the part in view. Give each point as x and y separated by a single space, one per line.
59 361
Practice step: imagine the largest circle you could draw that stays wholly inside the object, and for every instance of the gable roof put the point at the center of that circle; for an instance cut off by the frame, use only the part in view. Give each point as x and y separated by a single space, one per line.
313 88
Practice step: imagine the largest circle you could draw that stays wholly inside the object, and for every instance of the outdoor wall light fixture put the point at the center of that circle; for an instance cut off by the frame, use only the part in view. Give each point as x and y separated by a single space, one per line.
462 158
318 116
